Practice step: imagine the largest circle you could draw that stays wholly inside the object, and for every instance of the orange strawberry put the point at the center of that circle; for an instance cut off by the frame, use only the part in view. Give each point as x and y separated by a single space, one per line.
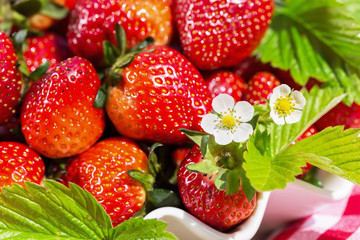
93 21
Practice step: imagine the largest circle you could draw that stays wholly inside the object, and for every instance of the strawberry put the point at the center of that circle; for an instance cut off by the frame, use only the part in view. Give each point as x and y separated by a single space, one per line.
260 88
102 170
50 47
159 92
341 114
10 79
58 118
19 163
308 133
249 67
222 81
220 33
69 4
93 21
201 197
179 154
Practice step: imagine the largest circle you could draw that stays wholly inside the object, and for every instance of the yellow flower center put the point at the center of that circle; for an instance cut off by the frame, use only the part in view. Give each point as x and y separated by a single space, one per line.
284 105
228 121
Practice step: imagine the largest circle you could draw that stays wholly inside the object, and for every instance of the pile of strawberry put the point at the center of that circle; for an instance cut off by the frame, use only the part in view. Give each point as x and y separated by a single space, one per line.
108 95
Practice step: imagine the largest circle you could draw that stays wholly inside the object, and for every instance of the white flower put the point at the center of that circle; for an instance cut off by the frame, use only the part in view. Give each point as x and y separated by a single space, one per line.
286 105
230 121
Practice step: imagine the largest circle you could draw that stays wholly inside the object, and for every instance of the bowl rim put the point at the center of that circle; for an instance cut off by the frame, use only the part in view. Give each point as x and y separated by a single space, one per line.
245 230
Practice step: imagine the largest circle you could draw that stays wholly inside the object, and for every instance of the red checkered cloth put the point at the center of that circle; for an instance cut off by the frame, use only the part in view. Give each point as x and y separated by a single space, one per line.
337 221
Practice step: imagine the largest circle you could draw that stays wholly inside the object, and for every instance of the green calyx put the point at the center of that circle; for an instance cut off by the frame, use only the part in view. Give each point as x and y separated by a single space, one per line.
222 162
157 195
225 160
116 58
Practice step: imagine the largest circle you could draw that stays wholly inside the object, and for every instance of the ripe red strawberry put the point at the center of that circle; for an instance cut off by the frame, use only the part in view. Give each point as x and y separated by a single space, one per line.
93 21
308 133
58 118
10 79
341 114
102 170
179 154
206 202
220 33
222 81
160 92
19 163
250 66
260 88
50 47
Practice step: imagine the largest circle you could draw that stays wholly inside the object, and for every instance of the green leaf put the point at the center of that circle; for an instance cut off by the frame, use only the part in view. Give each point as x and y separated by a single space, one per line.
268 173
54 212
101 97
39 71
316 39
137 228
54 10
265 166
332 150
318 102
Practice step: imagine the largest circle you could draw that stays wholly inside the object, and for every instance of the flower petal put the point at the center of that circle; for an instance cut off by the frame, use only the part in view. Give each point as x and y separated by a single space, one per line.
244 110
223 136
242 132
209 122
293 117
282 90
299 99
222 103
279 120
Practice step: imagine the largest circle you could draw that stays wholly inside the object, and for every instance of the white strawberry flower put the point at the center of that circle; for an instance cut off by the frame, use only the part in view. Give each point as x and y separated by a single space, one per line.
286 105
229 123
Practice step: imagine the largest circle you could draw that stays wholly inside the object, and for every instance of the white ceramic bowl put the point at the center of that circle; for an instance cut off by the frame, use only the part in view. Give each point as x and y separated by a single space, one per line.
186 226
297 200
300 199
